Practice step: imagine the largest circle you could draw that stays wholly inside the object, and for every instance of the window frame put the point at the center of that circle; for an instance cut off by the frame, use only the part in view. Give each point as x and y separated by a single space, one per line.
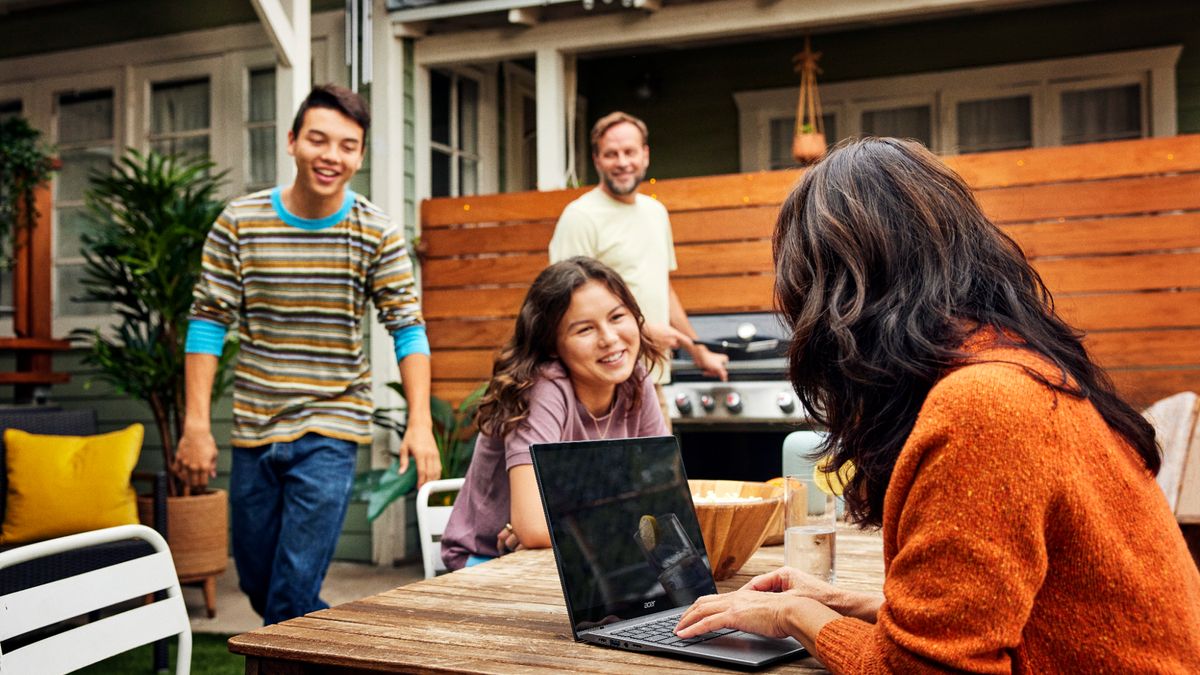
52 90
486 77
1154 68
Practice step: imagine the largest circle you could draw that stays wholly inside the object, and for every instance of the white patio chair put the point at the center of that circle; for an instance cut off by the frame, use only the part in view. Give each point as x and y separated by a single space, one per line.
1174 419
431 522
30 611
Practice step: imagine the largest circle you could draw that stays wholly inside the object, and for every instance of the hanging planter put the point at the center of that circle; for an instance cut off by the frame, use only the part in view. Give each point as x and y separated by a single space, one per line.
808 144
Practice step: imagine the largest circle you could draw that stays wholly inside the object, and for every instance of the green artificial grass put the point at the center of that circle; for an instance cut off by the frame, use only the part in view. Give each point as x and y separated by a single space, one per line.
210 656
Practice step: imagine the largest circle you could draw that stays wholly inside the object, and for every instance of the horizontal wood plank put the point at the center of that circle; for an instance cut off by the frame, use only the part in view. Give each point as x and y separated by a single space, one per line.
1145 348
1165 309
734 257
1108 235
1086 200
677 194
454 333
752 222
506 238
508 269
709 295
1093 161
1143 386
463 364
460 303
453 392
1142 271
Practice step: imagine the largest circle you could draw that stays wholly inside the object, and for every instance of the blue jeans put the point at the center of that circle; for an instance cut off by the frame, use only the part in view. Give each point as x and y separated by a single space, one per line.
288 501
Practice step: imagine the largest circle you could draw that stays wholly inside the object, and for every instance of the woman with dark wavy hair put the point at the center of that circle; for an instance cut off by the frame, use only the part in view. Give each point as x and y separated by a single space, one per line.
576 368
1022 527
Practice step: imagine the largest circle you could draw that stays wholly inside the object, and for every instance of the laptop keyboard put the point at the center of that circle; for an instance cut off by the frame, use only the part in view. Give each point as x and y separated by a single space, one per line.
662 632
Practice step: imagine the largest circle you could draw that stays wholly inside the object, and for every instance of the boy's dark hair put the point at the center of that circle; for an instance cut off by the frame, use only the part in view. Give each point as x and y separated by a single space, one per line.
336 98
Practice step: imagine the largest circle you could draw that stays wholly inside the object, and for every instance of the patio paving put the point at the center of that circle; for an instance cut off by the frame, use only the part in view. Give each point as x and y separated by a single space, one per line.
346 581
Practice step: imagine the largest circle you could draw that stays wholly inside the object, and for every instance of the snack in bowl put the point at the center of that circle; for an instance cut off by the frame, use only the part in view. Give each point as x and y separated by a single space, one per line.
734 520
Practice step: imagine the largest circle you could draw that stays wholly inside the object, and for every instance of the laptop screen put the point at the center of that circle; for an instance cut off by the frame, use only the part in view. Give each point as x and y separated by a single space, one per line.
625 533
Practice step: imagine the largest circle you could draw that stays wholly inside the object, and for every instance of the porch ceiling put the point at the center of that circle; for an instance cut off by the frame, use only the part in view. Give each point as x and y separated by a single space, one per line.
437 17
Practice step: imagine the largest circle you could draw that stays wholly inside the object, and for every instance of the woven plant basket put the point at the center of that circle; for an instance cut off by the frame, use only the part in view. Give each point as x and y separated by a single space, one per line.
197 532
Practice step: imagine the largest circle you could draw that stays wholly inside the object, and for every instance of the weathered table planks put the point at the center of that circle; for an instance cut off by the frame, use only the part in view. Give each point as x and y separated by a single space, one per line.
506 616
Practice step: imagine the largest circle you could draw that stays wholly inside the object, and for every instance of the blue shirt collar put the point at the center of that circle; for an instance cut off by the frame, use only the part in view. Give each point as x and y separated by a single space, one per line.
310 223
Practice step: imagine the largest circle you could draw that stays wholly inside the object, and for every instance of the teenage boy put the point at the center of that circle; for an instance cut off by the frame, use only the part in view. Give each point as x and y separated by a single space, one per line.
292 268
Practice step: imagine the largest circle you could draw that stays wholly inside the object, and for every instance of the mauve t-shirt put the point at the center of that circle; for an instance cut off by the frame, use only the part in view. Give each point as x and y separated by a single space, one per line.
483 505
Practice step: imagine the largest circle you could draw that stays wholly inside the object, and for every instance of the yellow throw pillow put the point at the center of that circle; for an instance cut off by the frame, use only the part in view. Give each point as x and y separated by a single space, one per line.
61 485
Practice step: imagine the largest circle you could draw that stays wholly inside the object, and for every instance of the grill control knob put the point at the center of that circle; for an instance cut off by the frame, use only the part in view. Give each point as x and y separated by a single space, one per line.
707 402
787 403
684 404
733 402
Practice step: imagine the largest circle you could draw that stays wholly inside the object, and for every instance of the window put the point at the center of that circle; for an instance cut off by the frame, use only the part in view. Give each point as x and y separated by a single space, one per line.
85 127
1102 114
994 124
1045 103
454 134
180 117
9 109
261 130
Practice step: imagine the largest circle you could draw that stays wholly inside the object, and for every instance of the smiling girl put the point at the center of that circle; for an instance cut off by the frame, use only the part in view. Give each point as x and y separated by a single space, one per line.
575 369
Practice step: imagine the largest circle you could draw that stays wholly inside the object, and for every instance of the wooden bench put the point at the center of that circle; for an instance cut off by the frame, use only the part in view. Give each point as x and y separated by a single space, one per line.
1114 229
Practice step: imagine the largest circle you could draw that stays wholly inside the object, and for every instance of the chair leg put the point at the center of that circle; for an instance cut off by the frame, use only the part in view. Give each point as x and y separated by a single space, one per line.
160 655
210 596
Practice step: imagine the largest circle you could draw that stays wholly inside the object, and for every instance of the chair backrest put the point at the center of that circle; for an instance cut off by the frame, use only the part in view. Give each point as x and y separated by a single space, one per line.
27 613
1174 421
41 420
431 522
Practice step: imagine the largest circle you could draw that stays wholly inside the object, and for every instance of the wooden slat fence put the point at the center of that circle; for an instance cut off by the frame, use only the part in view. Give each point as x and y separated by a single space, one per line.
1114 229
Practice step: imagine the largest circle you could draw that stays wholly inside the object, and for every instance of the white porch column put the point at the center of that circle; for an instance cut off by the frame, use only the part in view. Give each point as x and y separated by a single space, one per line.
387 191
551 82
289 26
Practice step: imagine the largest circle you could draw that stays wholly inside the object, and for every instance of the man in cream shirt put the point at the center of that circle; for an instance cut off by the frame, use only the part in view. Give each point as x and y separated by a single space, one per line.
631 233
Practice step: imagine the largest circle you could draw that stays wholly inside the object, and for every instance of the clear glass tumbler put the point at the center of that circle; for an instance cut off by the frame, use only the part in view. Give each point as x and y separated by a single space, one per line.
810 527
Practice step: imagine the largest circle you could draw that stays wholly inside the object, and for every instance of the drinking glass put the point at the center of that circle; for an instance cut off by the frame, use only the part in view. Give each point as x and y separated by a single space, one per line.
810 527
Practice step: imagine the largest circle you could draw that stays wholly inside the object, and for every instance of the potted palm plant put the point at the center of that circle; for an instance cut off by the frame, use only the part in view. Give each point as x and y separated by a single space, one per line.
453 431
149 217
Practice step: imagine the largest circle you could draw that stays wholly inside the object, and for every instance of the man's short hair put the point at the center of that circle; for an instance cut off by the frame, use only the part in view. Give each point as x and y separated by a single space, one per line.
611 120
336 98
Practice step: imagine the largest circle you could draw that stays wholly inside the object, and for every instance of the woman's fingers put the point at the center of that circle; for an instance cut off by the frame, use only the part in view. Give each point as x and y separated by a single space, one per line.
697 619
751 611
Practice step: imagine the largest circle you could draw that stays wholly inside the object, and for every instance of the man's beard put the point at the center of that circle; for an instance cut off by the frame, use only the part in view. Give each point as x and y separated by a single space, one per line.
620 191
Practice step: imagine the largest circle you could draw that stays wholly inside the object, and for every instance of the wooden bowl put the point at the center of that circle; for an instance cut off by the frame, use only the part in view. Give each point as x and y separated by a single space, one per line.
732 530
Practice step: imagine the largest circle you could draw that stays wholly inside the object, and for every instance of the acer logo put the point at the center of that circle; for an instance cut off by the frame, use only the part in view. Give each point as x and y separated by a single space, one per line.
648 605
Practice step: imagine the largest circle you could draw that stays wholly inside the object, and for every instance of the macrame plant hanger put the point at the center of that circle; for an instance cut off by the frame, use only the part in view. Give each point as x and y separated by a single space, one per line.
808 145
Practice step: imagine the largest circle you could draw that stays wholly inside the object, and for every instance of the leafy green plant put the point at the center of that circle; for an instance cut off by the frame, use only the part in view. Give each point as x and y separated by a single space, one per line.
149 218
26 163
453 431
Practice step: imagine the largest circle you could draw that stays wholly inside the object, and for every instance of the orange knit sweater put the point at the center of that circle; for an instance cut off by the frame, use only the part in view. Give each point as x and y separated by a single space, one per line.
1021 534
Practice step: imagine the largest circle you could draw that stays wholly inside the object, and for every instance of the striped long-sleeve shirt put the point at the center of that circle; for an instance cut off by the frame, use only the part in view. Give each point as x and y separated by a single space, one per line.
297 290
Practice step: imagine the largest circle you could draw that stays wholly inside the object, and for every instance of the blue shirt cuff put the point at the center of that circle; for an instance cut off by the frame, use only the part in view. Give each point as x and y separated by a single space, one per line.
410 340
205 337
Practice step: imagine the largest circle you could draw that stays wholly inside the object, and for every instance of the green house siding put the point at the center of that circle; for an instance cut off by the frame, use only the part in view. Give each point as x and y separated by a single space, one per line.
694 123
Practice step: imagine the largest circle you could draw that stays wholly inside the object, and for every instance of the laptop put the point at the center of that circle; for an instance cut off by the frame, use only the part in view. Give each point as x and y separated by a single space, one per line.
629 551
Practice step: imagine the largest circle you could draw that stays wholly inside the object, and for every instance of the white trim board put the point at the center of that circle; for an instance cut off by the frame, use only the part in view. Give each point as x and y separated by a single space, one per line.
680 23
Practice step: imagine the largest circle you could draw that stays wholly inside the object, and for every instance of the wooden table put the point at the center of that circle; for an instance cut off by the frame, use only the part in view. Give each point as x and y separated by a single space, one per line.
504 616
